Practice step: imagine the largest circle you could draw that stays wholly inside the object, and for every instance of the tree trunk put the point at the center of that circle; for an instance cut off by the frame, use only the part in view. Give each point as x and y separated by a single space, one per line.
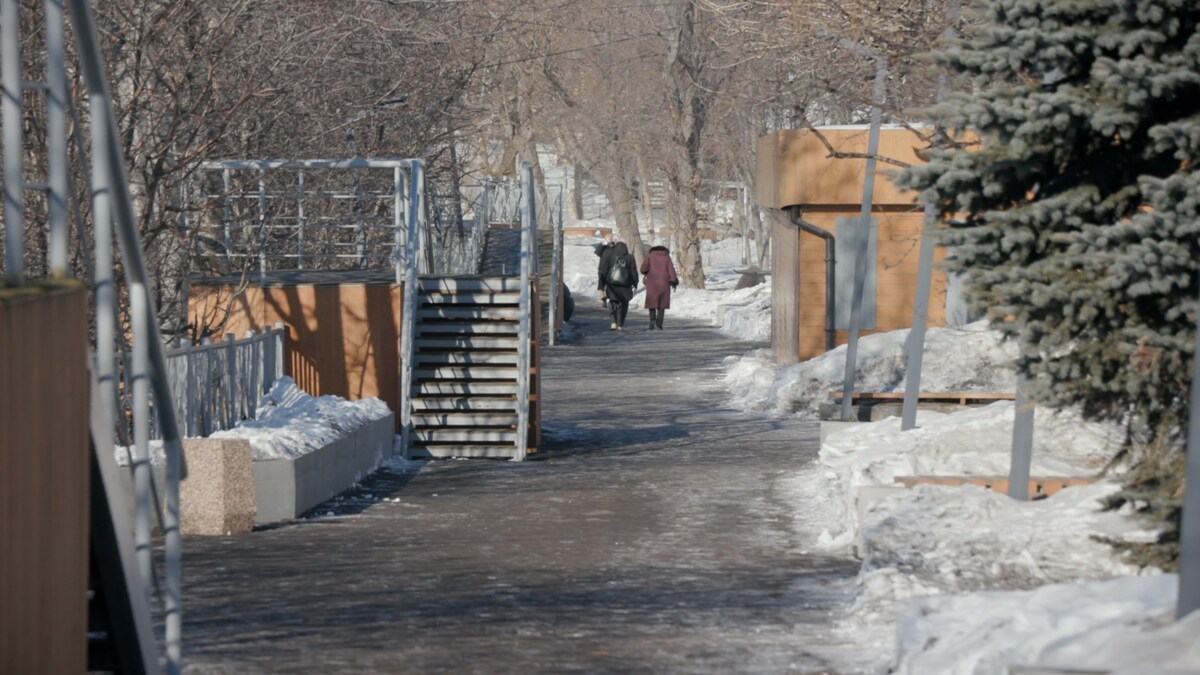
616 188
647 206
575 198
688 110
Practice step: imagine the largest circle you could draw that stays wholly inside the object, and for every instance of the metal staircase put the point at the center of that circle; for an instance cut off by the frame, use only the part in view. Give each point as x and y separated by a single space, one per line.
466 356
469 349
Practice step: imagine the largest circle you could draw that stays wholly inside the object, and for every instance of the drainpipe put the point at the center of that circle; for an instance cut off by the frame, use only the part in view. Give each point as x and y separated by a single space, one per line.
796 215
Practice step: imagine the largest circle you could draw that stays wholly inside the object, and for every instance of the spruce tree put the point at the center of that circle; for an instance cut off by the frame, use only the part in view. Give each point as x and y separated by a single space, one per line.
1076 214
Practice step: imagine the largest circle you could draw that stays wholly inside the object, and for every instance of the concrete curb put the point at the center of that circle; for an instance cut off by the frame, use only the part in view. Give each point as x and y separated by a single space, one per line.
286 488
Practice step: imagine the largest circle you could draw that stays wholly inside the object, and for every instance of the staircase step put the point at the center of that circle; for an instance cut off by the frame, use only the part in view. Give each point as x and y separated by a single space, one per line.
490 436
466 373
469 298
465 418
433 358
464 342
436 327
464 388
488 313
468 404
470 284
476 451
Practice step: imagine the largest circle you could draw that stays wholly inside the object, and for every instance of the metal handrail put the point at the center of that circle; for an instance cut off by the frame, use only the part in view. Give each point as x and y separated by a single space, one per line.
408 276
110 178
524 333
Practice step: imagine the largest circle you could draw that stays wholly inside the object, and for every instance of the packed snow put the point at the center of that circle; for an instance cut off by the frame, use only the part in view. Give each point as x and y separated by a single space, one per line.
969 358
290 422
954 579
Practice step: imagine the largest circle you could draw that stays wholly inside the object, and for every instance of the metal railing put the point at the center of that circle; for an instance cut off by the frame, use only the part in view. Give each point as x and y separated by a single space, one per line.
406 274
112 213
302 214
525 331
214 385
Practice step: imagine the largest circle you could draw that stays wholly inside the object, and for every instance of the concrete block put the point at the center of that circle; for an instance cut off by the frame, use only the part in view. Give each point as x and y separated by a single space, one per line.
275 490
218 495
287 488
830 426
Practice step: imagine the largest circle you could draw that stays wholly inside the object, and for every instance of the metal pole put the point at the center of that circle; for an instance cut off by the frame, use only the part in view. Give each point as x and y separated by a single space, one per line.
398 223
300 219
227 212
916 339
92 63
56 135
415 220
860 257
104 289
1022 443
528 222
14 143
141 435
262 227
1189 526
554 267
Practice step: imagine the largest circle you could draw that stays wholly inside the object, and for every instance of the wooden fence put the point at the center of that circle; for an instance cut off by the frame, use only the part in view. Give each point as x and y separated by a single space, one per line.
214 385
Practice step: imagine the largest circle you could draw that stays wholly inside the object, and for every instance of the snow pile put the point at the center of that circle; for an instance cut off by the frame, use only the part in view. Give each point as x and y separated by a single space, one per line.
1121 625
970 358
969 442
968 538
290 422
935 539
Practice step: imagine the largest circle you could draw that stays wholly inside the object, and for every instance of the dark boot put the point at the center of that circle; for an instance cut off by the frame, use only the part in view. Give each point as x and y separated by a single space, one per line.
653 318
658 318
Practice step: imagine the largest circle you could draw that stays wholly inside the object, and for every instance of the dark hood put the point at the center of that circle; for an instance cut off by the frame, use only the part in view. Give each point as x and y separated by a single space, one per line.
660 249
620 249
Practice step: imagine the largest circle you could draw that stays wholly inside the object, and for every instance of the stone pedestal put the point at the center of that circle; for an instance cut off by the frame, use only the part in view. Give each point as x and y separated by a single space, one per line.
218 495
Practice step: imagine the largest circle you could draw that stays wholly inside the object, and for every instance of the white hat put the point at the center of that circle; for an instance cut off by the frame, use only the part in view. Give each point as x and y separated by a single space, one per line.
659 241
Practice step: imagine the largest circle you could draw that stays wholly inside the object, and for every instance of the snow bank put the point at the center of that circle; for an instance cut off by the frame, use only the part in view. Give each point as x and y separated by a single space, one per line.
934 539
291 423
970 358
969 442
1113 626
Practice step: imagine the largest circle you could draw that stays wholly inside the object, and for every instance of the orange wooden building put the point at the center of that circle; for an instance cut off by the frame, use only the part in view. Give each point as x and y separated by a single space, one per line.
795 169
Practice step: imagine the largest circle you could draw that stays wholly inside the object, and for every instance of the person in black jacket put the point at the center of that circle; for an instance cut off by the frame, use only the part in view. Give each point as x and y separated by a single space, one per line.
602 249
619 272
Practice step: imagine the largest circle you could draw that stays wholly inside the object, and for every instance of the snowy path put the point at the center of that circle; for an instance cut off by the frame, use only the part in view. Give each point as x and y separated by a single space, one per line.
651 534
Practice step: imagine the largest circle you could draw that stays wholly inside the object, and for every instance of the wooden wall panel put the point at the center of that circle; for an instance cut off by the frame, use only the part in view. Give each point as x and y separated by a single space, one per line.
342 340
785 270
44 479
794 167
898 255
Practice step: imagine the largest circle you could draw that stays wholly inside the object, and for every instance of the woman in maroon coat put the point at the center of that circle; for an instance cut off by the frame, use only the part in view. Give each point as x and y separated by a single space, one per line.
659 274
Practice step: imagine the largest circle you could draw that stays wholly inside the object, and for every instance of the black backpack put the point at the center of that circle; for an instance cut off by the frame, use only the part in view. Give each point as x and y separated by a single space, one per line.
619 274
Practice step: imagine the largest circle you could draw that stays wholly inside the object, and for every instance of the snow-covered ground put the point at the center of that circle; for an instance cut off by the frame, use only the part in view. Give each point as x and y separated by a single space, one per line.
954 579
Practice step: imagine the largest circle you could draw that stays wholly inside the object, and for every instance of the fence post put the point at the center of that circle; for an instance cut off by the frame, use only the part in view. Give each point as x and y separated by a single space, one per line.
280 348
189 375
231 383
204 410
256 362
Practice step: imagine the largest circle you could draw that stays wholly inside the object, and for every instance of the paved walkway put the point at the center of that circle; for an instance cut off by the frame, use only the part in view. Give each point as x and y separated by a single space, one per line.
649 535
